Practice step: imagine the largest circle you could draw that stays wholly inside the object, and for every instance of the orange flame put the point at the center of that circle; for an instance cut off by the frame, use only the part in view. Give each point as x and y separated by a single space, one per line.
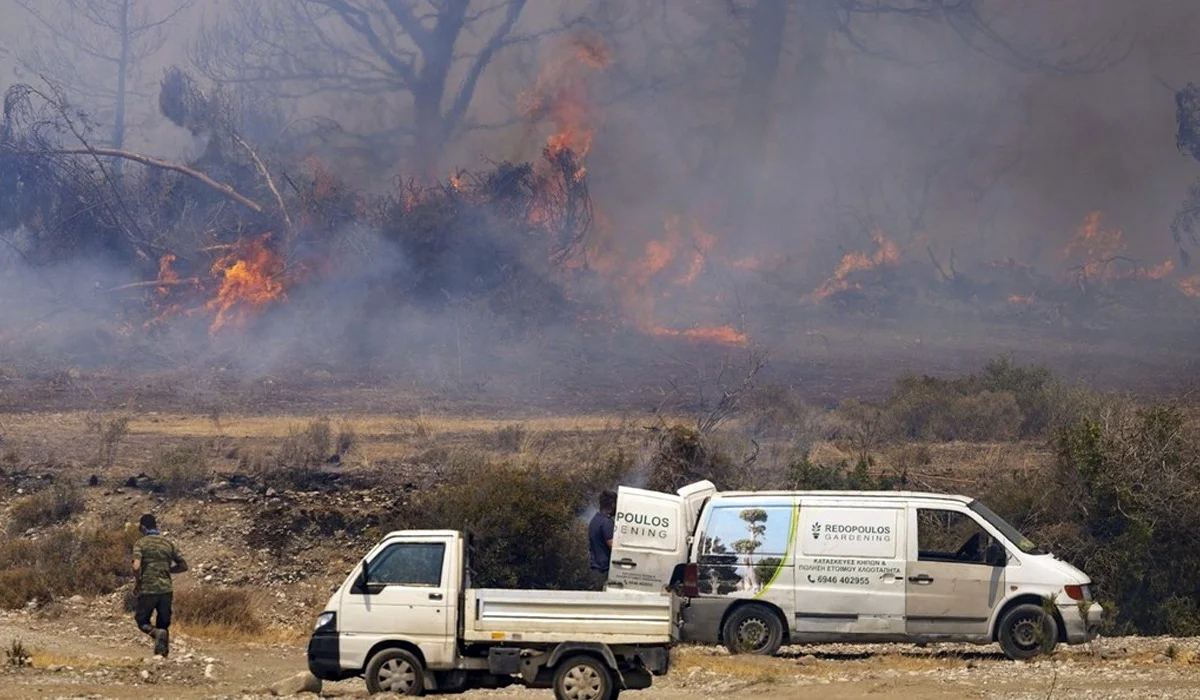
1097 250
1022 298
561 95
886 254
1189 286
727 335
251 277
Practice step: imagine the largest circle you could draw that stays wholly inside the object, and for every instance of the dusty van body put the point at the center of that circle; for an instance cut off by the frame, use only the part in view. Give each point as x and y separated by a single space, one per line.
760 569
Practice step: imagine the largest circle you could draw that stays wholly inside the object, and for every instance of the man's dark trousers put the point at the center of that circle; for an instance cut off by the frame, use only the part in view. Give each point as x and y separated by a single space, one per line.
149 604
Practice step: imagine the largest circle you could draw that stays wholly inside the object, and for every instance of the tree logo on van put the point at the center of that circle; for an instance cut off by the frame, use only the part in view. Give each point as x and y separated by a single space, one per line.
816 530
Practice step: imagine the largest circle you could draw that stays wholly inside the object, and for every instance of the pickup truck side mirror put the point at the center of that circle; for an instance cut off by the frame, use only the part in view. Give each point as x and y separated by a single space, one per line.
362 586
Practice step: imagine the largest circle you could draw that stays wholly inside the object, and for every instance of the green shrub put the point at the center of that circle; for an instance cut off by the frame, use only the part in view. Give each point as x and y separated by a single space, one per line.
808 475
1128 510
527 523
50 506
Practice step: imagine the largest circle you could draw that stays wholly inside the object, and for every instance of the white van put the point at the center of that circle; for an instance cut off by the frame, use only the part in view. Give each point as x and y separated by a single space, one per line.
761 569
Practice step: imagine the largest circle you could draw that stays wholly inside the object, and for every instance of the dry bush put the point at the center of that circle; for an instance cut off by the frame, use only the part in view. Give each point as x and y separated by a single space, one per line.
180 470
63 563
345 439
217 609
109 434
509 438
295 465
50 506
681 455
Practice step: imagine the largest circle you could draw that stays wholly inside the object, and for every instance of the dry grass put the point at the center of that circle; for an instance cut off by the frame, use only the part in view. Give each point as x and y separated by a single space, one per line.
231 610
45 659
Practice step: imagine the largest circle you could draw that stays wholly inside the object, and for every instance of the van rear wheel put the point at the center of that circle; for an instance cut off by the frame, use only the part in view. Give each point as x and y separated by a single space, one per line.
395 671
1027 631
753 629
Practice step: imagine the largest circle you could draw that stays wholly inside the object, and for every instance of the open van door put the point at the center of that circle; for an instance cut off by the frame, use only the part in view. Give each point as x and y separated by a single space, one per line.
651 534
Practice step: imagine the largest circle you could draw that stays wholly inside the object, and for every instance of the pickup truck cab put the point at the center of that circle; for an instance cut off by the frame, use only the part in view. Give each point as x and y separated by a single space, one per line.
760 569
408 620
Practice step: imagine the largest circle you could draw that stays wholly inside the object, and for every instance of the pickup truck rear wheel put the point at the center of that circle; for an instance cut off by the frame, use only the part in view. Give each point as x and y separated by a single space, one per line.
395 671
1027 631
753 629
584 678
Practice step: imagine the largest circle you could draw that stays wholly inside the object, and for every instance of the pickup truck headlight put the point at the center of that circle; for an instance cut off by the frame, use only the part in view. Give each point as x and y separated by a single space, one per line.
324 622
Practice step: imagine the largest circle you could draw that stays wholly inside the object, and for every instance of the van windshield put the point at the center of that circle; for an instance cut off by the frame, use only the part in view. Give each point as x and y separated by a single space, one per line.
1021 541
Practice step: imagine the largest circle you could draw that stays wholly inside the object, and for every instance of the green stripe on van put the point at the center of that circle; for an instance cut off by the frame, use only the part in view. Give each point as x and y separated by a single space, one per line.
787 553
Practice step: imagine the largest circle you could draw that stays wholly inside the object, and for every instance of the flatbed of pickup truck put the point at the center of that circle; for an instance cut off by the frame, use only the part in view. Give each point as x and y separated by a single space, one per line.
611 617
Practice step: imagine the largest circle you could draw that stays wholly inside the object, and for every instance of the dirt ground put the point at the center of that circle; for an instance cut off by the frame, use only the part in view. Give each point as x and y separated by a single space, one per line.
87 649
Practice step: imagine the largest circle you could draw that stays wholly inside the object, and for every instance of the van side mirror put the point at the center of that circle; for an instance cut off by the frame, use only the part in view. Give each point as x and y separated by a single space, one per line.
996 555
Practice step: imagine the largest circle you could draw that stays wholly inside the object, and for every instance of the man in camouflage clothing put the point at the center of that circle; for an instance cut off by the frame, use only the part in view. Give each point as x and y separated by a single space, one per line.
154 560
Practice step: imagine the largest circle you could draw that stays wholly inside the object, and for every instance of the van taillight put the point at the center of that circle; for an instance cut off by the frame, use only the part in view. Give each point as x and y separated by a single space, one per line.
1074 592
691 581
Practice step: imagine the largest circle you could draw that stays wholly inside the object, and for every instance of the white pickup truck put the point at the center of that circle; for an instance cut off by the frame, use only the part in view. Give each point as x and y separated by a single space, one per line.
408 620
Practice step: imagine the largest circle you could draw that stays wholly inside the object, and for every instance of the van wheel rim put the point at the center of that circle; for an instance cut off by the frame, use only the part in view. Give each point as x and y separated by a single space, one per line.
582 682
752 634
397 675
1025 632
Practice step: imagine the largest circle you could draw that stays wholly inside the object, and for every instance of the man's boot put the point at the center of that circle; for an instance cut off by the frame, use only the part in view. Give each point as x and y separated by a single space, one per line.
162 643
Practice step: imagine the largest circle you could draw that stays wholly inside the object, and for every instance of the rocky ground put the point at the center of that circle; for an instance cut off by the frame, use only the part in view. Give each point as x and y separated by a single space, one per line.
89 649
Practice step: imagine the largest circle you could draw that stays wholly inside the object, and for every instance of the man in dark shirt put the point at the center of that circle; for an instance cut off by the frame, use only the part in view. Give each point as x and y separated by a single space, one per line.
600 539
155 558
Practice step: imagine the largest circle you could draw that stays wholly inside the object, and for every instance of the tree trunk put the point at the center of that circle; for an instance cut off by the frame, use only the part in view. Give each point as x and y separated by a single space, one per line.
118 138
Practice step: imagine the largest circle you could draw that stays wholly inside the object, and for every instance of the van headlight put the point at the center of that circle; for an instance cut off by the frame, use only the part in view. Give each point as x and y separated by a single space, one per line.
324 622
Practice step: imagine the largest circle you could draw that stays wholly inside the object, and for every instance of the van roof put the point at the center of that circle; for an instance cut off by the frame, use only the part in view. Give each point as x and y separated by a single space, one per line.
866 495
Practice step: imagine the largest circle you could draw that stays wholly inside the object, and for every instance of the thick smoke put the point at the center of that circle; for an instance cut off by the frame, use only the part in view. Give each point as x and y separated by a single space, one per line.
753 169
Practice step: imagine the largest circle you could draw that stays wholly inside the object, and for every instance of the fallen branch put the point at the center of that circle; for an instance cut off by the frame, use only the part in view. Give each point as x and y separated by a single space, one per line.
151 283
262 169
153 163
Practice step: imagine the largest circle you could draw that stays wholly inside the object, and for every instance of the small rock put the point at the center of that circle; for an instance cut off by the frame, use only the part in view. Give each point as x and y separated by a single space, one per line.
1162 659
208 671
145 674
972 664
807 660
299 683
75 599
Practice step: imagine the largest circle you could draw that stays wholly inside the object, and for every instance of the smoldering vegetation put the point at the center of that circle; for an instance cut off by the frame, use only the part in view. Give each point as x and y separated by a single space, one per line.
519 197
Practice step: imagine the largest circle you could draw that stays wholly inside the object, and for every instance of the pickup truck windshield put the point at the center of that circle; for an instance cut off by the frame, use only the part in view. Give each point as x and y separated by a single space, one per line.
1021 541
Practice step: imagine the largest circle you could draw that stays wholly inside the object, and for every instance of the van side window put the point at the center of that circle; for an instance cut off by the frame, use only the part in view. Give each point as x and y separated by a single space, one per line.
743 547
950 536
409 564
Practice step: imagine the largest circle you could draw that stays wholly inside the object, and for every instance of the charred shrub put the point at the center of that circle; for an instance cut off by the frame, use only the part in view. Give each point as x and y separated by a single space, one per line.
232 609
928 408
50 506
180 470
279 529
109 434
527 523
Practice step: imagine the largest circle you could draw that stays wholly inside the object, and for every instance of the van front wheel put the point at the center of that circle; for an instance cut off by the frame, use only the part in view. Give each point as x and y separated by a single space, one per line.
1027 631
395 671
753 629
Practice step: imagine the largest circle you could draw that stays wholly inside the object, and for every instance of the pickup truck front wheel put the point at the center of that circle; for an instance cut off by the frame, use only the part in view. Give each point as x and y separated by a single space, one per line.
584 678
395 671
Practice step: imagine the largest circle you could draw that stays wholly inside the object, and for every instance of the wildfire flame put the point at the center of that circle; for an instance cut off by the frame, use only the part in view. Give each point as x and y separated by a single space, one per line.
886 254
561 95
1189 286
251 277
1097 250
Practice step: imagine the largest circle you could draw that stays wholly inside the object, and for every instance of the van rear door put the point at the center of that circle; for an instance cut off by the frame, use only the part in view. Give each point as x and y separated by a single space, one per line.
650 535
